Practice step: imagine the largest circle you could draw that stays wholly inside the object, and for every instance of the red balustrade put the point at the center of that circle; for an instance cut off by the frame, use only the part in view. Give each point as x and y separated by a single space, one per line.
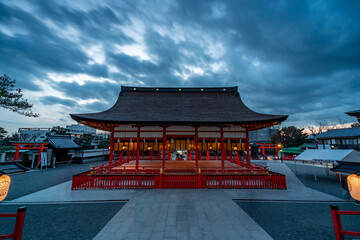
339 232
19 224
94 181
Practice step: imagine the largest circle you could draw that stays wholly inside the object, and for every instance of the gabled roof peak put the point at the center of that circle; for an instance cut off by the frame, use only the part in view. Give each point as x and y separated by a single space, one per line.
179 89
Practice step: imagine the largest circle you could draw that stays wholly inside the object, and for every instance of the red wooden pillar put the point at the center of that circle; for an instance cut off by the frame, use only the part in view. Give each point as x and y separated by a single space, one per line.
190 153
18 146
164 147
196 148
238 158
222 149
40 152
263 150
151 154
277 151
247 147
111 155
207 155
196 152
137 149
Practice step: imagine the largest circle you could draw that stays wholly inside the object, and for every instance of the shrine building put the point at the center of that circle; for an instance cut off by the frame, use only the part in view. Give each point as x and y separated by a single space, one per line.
179 138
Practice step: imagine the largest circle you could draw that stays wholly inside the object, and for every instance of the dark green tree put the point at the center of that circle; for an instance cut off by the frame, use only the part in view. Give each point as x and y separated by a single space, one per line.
84 141
104 143
58 130
289 137
12 98
6 141
3 133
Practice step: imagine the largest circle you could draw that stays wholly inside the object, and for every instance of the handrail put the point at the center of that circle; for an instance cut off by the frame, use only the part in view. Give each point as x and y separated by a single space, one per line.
19 224
339 232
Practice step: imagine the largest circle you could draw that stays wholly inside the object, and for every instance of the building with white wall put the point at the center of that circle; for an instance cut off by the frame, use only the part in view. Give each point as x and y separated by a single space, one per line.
79 130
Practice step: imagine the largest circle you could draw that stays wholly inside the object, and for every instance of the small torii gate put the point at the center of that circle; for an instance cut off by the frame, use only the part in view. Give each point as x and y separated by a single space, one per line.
264 146
29 146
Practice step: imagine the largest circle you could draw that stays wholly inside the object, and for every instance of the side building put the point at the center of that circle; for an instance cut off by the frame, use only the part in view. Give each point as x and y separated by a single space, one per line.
33 134
77 130
347 138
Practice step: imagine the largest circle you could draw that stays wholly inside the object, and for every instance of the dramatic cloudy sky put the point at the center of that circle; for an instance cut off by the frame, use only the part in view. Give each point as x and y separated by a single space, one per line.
300 58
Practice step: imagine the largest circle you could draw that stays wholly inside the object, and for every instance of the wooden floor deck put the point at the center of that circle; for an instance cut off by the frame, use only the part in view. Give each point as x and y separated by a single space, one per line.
173 164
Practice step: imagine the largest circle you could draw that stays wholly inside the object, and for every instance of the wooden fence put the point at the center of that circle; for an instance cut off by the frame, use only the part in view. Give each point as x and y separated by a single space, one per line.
95 181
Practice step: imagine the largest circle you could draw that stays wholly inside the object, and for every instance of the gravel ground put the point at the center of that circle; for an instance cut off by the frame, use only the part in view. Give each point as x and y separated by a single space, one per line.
36 180
324 183
303 221
61 221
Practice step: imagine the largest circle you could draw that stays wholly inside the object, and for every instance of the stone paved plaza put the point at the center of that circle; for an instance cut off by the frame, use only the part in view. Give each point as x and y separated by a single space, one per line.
181 213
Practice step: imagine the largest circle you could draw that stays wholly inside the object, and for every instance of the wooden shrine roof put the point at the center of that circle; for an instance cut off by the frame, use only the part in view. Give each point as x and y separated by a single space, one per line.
179 106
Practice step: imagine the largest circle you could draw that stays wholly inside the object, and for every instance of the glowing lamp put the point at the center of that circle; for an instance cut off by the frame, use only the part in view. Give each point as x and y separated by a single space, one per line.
353 182
149 148
235 148
4 186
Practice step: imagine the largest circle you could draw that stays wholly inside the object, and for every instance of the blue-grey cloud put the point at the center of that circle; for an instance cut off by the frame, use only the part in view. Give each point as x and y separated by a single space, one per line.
300 58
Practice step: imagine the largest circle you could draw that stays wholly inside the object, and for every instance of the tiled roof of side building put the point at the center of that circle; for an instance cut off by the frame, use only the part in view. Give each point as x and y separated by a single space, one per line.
353 113
338 133
62 142
179 106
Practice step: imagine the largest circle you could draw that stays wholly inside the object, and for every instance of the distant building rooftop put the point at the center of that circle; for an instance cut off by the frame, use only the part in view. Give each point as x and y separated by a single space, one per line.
338 133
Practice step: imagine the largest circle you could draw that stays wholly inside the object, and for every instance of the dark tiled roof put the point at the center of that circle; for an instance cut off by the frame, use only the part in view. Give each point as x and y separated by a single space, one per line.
62 142
338 133
179 106
347 167
354 113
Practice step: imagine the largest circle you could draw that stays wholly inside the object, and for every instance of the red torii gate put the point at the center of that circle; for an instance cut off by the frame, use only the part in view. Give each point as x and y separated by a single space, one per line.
29 146
264 146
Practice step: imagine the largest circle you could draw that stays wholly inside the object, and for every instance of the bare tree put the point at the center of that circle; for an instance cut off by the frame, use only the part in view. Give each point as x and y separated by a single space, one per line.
323 126
313 130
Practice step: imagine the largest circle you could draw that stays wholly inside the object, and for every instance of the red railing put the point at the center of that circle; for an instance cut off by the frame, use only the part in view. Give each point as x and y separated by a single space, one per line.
339 232
272 181
138 181
248 169
19 224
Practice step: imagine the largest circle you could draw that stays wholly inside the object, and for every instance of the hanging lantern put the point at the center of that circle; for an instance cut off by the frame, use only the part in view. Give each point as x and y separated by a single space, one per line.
172 140
4 186
228 140
215 140
353 182
240 140
131 140
203 140
144 140
155 140
118 140
188 140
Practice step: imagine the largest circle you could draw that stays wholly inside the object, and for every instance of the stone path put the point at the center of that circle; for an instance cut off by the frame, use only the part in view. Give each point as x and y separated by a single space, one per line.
182 213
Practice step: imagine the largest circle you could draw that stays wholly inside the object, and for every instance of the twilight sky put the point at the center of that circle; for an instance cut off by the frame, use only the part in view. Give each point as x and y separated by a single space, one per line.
300 58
